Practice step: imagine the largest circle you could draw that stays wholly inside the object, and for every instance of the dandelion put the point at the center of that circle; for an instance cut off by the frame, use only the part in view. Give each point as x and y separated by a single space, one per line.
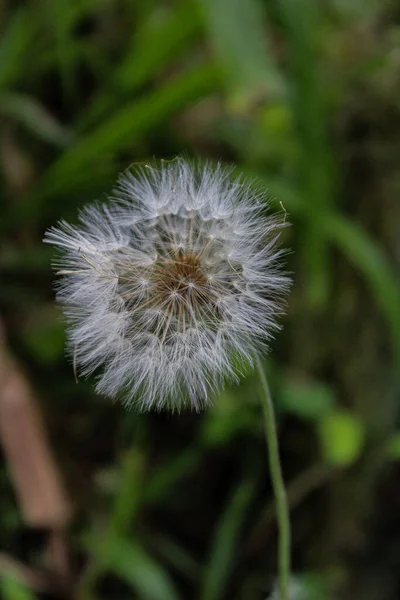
171 285
172 289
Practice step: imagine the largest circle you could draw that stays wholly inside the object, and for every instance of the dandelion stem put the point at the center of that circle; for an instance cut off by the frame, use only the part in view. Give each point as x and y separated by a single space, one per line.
278 485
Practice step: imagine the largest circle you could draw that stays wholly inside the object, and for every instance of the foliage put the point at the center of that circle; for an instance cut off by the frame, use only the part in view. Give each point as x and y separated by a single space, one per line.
280 89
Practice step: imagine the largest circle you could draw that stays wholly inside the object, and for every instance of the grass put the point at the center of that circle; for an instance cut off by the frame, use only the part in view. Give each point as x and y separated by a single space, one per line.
87 88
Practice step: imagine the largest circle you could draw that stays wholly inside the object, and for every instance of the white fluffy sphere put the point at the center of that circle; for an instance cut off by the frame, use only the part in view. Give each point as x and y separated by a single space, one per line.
171 285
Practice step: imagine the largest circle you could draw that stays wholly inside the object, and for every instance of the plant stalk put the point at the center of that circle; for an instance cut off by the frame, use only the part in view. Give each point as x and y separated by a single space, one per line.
282 510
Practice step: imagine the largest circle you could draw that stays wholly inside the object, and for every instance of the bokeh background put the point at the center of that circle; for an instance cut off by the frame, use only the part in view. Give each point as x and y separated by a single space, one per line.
100 503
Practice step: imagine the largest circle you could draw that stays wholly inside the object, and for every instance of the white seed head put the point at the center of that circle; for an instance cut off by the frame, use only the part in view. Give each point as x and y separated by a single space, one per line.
171 285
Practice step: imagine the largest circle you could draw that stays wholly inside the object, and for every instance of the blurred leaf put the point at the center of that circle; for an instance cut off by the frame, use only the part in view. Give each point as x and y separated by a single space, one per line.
283 190
118 132
105 547
129 492
132 564
156 42
238 32
16 44
276 120
359 11
166 478
226 418
225 542
58 15
34 117
177 556
355 243
342 438
12 589
163 36
370 259
218 429
303 22
62 20
306 399
393 447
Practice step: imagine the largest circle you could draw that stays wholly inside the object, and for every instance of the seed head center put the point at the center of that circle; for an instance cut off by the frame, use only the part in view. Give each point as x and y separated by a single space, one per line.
179 274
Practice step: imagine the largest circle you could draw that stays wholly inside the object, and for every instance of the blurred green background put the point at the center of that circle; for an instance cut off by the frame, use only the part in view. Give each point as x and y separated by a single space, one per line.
100 503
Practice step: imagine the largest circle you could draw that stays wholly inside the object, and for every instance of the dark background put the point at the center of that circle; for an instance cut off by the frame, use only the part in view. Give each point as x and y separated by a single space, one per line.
97 502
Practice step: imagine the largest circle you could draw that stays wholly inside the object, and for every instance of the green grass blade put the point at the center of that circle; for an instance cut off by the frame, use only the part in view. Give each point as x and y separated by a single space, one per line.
158 41
225 542
168 476
361 250
16 43
59 23
35 117
78 164
370 259
128 497
177 556
238 35
141 572
303 22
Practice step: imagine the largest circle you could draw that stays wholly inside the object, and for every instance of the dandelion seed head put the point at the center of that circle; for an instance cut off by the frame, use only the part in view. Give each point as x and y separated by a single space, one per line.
170 284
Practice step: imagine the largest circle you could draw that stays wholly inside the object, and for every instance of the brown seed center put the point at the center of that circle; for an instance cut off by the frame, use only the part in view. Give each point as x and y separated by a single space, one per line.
179 274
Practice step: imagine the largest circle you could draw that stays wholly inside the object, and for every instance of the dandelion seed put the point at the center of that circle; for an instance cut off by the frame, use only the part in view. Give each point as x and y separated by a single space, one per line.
171 284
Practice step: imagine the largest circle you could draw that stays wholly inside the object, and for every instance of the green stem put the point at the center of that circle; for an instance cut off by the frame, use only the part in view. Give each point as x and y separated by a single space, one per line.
278 485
